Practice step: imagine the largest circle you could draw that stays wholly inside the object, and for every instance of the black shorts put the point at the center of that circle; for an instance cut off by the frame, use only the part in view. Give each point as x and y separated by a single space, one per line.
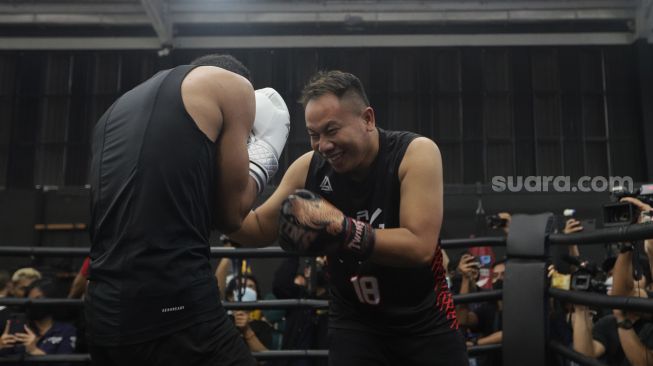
215 342
355 348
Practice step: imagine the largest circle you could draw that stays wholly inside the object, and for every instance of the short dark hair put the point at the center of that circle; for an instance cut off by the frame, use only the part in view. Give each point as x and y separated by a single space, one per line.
46 285
499 261
236 281
227 62
334 82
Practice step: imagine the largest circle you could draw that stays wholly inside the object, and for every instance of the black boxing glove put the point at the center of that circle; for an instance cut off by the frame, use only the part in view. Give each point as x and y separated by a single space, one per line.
311 226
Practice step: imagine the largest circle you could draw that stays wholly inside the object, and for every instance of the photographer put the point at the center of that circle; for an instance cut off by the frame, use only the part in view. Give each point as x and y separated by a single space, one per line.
645 212
623 337
619 339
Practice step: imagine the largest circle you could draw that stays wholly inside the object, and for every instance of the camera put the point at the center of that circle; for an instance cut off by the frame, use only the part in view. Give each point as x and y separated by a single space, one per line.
625 213
495 222
588 277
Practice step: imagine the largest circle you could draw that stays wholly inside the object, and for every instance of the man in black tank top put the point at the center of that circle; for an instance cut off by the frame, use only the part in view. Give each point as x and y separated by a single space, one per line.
372 201
187 150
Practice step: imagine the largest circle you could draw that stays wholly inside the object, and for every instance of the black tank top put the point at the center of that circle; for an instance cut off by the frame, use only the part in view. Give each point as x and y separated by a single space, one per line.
371 297
152 180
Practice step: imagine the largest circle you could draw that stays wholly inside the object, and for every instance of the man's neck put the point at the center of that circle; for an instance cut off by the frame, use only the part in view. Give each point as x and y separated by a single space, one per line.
44 324
364 168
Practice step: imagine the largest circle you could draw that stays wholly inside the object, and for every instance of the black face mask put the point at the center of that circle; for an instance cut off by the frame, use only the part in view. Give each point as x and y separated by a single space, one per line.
37 313
498 285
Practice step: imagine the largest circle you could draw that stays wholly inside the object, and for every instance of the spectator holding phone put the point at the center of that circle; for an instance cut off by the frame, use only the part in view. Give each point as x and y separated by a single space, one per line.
42 335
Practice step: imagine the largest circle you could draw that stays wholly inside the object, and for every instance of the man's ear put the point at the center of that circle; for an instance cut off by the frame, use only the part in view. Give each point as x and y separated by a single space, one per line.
368 117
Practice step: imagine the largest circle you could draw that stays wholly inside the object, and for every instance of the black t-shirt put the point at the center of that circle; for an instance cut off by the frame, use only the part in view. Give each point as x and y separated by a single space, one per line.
264 332
605 332
368 296
152 191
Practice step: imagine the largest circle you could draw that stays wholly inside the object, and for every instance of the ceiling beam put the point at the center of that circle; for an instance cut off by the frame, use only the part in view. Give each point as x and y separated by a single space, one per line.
79 43
344 41
449 17
393 6
156 11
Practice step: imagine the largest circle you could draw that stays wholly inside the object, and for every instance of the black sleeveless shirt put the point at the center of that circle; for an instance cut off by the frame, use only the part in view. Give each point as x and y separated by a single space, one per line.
152 181
371 297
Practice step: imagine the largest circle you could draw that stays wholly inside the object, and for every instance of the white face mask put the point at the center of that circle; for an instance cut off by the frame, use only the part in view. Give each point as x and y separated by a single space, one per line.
248 295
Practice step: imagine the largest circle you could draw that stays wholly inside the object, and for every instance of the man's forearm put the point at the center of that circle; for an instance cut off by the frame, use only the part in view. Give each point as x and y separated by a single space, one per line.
636 353
254 344
402 248
582 333
78 287
622 279
252 233
494 338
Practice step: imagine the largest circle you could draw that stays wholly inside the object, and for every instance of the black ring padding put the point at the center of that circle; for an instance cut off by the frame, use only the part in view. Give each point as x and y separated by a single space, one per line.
606 235
265 252
478 296
221 252
475 350
276 304
490 241
613 302
28 251
273 355
262 304
573 355
226 252
13 301
266 355
69 358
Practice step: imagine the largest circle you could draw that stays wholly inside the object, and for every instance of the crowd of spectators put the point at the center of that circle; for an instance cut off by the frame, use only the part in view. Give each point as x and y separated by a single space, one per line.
613 336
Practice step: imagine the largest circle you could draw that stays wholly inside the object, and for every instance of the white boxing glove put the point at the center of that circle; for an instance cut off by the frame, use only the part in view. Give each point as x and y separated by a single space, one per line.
268 136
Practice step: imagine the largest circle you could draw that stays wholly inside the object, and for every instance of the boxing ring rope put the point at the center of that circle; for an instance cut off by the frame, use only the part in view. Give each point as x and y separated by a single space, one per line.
226 252
599 236
249 305
525 283
573 355
613 302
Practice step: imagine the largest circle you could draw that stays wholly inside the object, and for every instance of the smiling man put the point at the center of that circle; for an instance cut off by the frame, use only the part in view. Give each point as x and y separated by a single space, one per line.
372 201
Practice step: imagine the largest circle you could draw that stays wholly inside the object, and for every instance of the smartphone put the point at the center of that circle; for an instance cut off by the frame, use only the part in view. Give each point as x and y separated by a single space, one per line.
17 322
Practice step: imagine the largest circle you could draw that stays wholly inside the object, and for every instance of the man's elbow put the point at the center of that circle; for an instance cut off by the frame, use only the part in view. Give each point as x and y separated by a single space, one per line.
425 255
230 224
583 351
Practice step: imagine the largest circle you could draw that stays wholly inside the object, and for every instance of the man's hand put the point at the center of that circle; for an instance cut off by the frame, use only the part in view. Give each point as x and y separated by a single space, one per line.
7 340
241 320
468 266
268 136
572 226
508 217
312 226
29 339
641 206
